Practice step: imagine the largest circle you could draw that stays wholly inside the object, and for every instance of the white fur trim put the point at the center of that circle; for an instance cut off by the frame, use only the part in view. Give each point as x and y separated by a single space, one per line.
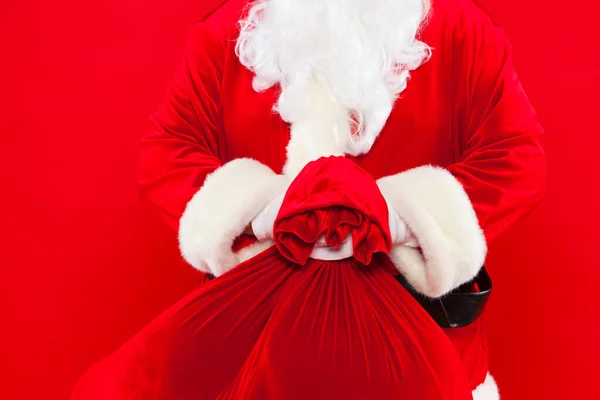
488 390
438 211
220 211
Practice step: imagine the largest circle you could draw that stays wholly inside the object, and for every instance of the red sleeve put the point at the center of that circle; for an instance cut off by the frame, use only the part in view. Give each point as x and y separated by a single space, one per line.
181 147
502 165
207 200
499 175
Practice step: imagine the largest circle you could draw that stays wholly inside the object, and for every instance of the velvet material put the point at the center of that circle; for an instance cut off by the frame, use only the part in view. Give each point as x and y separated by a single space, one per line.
463 110
341 198
289 327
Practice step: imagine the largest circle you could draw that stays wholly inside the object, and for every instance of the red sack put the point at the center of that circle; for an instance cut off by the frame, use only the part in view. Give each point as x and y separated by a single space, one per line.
284 326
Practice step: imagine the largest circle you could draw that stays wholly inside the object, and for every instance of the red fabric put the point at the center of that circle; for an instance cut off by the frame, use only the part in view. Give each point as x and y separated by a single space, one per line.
275 329
463 110
349 207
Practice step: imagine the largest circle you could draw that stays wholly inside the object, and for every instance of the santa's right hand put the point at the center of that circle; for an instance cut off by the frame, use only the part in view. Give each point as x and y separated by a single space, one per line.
262 224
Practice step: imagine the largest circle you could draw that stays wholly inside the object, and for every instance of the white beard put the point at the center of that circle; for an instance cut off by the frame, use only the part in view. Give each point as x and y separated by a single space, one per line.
362 50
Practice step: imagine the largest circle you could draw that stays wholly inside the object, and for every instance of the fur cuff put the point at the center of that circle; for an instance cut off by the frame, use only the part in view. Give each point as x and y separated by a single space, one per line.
220 211
488 390
438 211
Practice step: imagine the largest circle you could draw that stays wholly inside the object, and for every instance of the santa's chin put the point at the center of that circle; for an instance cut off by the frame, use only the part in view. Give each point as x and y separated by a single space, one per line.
361 49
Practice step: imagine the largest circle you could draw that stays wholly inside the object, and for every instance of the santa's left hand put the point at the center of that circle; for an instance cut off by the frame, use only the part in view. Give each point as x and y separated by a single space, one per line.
400 232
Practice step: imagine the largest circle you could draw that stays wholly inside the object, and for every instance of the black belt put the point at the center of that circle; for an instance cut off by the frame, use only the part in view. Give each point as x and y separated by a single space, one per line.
460 307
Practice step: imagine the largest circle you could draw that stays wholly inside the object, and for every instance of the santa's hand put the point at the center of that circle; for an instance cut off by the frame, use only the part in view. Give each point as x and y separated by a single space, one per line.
262 224
400 232
322 251
262 228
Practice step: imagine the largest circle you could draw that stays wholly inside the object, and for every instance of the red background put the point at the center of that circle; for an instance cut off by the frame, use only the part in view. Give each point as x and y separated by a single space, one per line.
84 265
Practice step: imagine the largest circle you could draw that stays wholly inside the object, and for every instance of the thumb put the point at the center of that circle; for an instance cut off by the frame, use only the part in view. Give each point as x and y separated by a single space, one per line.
262 224
399 231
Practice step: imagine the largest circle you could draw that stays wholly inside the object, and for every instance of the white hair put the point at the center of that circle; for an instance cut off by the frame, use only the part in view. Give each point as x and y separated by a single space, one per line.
362 49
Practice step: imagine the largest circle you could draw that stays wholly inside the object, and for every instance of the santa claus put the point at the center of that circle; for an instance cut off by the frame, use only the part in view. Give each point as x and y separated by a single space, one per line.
421 94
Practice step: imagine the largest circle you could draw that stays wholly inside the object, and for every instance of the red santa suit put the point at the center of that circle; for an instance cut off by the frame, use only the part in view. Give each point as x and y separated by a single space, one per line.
459 157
